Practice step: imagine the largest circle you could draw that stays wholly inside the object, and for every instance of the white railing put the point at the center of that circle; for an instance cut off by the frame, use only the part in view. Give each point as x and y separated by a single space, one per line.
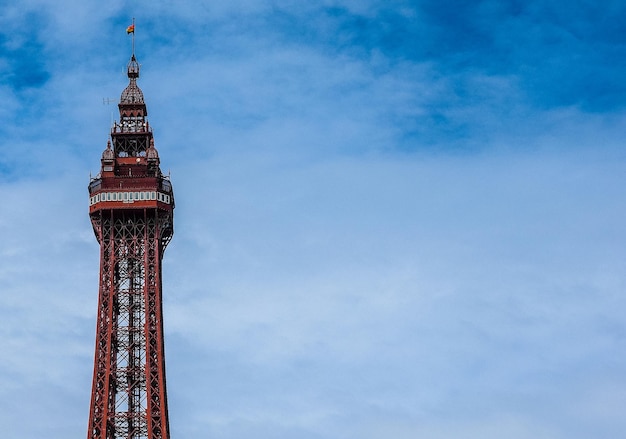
130 197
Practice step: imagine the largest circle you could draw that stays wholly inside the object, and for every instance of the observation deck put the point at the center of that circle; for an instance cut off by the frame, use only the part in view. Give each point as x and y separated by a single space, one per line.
128 183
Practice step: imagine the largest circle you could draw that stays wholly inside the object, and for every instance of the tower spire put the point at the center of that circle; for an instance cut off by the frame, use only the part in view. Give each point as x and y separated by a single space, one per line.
132 94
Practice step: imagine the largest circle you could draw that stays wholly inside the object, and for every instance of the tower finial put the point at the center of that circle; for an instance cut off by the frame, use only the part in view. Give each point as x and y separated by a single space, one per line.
132 94
133 65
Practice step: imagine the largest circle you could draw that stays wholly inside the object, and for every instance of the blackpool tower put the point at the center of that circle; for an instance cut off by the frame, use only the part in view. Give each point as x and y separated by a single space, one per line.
131 207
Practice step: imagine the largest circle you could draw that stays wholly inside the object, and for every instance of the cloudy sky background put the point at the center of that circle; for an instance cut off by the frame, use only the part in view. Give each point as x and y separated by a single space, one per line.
393 219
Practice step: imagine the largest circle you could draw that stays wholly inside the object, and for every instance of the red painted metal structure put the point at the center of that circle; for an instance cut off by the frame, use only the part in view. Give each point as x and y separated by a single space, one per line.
131 209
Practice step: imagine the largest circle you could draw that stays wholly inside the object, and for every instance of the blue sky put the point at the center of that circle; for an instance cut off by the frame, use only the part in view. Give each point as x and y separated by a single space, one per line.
393 219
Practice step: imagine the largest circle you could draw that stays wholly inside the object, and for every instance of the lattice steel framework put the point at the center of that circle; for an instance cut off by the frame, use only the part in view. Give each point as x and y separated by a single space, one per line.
131 210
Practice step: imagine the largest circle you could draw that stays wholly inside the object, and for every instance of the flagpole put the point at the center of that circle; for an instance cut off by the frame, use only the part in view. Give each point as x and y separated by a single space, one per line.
133 36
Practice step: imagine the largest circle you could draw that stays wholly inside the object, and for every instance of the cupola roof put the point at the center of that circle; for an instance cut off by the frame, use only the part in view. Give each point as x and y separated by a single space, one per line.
132 94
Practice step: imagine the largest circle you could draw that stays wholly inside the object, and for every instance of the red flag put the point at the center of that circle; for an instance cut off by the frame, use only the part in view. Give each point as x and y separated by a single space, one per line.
130 29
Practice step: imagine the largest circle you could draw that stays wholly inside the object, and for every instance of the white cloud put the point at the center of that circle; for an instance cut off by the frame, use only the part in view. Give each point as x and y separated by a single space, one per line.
403 283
